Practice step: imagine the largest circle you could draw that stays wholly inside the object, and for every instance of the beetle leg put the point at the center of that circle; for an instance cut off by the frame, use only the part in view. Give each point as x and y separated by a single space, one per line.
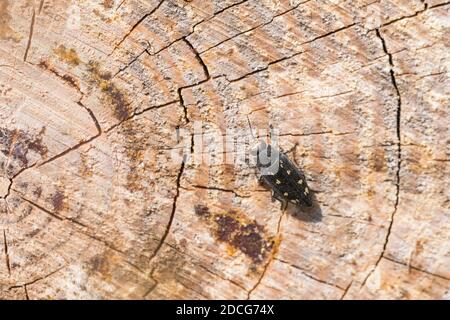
292 152
284 204
263 182
283 201
273 198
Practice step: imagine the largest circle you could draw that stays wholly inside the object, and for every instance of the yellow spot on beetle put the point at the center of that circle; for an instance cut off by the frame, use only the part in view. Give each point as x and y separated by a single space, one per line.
288 172
306 191
278 181
300 181
285 194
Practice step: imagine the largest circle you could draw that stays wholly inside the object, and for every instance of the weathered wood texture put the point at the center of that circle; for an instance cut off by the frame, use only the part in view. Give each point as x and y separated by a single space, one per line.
92 93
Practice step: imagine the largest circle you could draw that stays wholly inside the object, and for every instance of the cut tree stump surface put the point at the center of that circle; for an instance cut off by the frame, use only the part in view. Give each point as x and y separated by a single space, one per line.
92 94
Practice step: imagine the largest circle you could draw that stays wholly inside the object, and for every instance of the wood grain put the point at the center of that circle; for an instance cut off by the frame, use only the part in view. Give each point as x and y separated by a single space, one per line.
96 97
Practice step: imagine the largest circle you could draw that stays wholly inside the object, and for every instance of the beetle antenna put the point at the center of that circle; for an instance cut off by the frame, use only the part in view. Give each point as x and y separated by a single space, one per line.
251 128
273 135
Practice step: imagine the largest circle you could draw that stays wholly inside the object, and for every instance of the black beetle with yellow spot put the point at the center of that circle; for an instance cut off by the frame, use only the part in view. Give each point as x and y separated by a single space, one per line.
281 175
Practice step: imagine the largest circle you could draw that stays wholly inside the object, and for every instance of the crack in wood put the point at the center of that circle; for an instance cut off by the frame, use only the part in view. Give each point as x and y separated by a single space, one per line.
255 27
92 115
180 89
150 290
36 280
30 36
201 294
193 28
27 297
216 13
87 233
415 14
220 276
425 8
138 113
220 189
309 275
195 261
136 25
120 5
172 214
355 220
65 152
316 133
266 267
83 142
399 152
129 64
292 55
11 181
41 5
417 269
346 290
333 95
167 231
198 58
5 248
99 133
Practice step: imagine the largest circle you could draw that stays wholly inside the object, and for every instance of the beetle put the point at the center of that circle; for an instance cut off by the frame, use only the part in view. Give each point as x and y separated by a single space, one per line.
282 176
